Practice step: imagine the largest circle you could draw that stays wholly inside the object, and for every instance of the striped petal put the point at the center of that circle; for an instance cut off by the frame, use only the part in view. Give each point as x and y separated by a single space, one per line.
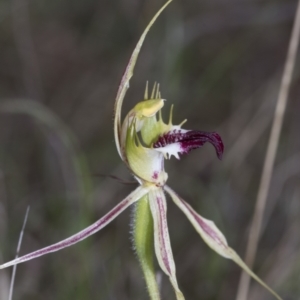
74 239
213 236
162 243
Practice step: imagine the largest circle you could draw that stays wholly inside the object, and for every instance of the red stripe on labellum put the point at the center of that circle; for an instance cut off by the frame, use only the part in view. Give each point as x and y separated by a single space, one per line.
190 140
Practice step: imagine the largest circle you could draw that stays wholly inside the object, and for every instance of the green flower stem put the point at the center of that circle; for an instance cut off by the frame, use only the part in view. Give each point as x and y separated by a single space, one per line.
143 242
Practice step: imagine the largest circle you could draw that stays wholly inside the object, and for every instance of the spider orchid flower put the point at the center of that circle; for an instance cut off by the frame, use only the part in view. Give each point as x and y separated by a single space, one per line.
144 141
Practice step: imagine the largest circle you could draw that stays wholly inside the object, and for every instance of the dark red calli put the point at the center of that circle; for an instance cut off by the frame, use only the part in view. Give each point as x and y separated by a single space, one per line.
190 140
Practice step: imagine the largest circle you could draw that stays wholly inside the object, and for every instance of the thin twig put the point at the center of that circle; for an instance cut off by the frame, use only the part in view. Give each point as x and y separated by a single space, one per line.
270 157
13 275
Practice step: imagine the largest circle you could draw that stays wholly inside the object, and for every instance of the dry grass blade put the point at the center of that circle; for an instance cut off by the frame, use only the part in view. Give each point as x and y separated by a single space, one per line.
13 276
270 156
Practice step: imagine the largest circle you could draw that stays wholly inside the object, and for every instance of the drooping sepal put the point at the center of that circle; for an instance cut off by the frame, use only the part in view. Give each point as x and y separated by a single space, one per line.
213 237
85 233
162 243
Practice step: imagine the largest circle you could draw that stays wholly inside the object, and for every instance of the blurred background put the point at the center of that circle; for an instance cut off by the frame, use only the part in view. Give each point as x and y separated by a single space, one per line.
220 63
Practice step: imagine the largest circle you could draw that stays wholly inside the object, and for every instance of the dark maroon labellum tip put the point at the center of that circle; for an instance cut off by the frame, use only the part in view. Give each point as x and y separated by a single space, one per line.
215 139
190 140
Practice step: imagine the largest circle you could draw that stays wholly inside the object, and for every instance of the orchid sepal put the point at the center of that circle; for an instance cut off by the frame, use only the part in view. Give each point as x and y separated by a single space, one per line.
162 243
124 85
213 237
137 194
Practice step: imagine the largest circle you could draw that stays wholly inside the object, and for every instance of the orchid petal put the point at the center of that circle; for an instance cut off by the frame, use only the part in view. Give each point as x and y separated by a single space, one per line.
213 237
124 85
83 234
162 243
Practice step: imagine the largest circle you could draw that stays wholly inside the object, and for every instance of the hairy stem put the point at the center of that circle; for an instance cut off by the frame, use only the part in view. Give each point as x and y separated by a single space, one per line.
143 242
